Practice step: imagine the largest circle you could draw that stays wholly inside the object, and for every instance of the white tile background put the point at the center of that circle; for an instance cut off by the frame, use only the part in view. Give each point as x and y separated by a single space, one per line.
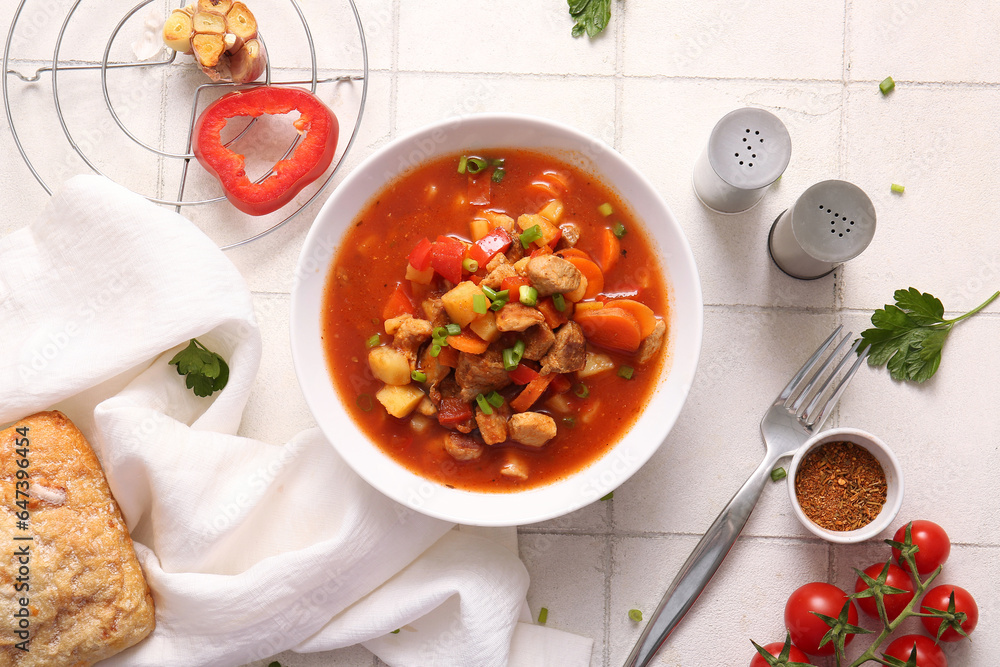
653 85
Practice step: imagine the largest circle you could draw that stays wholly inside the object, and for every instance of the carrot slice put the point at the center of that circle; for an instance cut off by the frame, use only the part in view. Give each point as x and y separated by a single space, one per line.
552 315
587 305
643 313
531 393
613 328
611 250
448 357
566 253
592 272
467 341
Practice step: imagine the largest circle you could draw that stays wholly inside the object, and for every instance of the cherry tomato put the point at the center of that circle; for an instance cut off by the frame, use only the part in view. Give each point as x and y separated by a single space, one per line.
795 655
933 542
929 654
807 629
894 602
937 598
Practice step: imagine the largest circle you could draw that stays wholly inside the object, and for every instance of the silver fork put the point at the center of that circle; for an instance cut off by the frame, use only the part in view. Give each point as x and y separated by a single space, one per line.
785 426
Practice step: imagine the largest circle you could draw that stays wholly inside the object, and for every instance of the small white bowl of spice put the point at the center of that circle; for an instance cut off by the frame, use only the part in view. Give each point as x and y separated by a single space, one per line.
845 485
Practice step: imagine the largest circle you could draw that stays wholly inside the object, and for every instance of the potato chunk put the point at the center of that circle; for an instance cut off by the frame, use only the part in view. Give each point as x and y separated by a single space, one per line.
399 401
458 302
389 365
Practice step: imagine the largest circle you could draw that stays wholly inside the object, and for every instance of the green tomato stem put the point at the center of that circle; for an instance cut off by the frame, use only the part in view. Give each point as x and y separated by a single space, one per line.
888 629
976 309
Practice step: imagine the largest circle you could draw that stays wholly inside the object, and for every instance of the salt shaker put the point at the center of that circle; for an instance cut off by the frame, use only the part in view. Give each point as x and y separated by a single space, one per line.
747 151
830 223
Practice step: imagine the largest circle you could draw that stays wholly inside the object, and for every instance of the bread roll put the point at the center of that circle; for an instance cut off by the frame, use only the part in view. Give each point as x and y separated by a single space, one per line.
71 589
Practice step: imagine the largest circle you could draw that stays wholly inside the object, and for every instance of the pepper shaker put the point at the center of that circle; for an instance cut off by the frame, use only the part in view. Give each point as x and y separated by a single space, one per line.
830 223
747 151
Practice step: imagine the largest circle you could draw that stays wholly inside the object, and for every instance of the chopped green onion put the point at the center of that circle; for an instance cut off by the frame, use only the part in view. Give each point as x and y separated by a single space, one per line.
605 209
483 404
569 421
479 305
778 474
373 341
626 372
364 402
462 162
559 301
634 615
435 350
470 265
887 85
490 293
527 295
543 615
418 376
502 297
495 399
581 390
510 362
618 230
498 175
498 162
453 329
275 664
519 349
439 332
897 188
609 496
530 235
395 632
474 165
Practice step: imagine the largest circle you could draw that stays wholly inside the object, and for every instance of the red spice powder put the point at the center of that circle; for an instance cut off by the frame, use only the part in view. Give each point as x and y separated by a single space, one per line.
840 486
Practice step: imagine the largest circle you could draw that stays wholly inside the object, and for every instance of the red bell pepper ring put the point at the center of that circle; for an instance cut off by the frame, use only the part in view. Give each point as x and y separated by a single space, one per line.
489 246
453 411
446 258
311 158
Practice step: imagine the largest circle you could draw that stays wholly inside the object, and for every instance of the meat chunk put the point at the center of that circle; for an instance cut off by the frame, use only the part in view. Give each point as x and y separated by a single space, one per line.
495 277
435 371
480 373
553 275
537 339
514 468
433 308
515 251
569 351
493 427
518 317
462 447
497 260
652 343
532 428
570 233
409 334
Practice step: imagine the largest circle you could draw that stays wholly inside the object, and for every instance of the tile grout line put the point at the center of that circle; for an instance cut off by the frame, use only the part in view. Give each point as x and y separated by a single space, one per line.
394 70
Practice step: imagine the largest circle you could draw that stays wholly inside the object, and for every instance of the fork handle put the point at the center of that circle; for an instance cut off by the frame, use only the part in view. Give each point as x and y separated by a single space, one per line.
700 566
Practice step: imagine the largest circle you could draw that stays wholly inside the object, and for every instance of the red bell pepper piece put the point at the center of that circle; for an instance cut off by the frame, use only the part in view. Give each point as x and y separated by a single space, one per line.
522 374
487 247
512 283
453 411
446 258
420 258
398 304
311 158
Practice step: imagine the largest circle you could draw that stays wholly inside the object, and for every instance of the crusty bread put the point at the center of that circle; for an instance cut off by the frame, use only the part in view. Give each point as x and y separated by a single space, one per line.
76 583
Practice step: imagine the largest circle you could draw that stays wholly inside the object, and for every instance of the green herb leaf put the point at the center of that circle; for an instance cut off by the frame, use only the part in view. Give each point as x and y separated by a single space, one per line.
909 336
591 16
206 371
609 496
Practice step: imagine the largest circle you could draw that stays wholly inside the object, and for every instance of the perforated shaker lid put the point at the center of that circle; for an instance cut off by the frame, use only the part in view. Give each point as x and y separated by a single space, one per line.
749 148
833 221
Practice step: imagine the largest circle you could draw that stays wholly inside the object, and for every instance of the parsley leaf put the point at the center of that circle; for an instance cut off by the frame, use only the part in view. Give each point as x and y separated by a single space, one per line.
591 16
908 337
206 371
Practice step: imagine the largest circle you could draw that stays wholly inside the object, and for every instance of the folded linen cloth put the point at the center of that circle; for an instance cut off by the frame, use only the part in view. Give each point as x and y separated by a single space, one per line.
249 548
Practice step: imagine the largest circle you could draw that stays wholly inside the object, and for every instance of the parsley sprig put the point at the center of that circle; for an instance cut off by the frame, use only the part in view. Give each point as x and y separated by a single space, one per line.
206 371
908 336
591 16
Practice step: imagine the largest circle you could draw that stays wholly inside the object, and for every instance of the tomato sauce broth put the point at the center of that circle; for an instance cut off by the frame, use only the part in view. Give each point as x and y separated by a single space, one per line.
430 201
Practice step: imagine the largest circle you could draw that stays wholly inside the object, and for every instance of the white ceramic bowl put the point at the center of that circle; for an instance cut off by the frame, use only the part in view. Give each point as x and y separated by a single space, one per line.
893 480
483 132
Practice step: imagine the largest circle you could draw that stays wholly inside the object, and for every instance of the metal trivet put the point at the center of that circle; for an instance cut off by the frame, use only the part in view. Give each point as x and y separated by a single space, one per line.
225 220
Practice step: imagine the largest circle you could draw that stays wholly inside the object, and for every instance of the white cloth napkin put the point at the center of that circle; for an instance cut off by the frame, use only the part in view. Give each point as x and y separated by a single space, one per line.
249 548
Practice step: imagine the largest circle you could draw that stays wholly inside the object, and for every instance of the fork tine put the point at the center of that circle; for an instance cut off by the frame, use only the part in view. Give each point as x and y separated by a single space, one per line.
807 390
835 397
794 382
829 380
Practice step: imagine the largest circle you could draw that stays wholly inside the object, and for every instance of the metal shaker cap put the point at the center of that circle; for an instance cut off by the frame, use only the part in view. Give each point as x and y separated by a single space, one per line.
749 148
833 221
